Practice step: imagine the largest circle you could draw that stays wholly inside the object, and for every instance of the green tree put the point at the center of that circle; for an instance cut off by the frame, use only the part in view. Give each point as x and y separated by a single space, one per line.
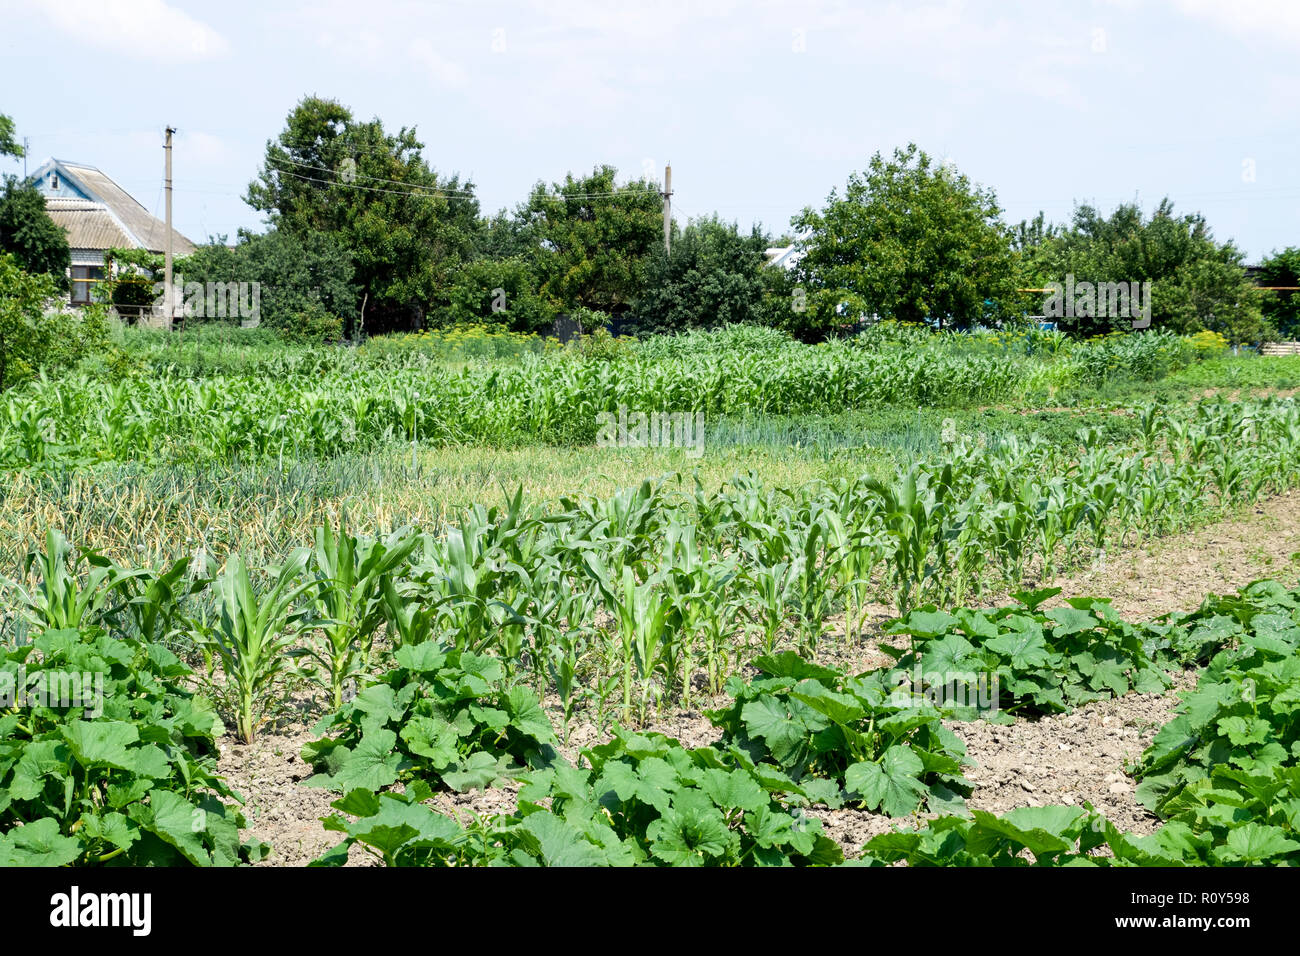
590 240
9 145
30 235
406 229
1196 282
909 240
32 339
497 292
1030 234
505 236
712 277
1282 308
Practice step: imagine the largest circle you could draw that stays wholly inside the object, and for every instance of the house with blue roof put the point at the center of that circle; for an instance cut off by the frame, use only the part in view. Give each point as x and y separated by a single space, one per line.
97 214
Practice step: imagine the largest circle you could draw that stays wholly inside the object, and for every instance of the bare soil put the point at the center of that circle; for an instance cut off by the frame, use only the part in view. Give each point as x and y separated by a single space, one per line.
1074 759
1070 759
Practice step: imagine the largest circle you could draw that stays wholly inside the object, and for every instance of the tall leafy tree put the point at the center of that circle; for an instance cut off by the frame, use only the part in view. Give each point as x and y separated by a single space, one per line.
1196 282
711 277
908 239
492 291
505 236
406 228
591 240
1031 235
9 145
28 233
1282 308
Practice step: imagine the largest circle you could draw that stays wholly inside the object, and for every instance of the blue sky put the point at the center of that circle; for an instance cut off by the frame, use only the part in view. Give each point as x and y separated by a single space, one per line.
761 107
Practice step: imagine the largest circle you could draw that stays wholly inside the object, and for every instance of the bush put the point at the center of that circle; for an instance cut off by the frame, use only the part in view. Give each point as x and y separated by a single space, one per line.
496 292
315 324
1207 344
22 298
601 345
453 345
32 340
311 277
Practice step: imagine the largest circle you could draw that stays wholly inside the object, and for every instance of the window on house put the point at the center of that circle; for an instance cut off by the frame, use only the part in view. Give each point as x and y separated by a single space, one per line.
54 181
84 279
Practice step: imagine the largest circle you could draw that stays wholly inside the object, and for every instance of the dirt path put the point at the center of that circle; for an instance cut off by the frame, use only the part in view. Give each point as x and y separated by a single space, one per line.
1073 758
1176 573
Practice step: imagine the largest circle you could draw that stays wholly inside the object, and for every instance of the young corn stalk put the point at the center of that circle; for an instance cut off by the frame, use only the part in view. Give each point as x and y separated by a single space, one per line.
408 621
60 600
641 628
252 636
347 581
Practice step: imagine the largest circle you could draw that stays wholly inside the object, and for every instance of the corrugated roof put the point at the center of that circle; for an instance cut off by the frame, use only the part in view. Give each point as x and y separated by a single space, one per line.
89 225
131 219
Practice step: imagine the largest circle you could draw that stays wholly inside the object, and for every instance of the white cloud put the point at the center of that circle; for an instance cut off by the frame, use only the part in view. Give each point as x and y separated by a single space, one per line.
443 71
359 46
205 149
148 29
1277 19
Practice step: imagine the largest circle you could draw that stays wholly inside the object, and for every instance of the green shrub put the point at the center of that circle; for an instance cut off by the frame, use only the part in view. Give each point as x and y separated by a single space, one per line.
32 340
315 323
1207 344
500 293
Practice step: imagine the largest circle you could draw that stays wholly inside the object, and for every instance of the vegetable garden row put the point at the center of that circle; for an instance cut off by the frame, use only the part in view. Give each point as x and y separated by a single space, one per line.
137 785
615 605
618 602
302 410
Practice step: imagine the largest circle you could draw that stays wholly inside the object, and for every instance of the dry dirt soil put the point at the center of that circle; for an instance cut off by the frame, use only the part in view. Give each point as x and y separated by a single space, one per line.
1071 759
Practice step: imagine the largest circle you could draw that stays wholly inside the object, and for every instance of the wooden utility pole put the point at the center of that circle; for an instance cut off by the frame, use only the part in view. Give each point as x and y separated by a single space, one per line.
169 307
668 214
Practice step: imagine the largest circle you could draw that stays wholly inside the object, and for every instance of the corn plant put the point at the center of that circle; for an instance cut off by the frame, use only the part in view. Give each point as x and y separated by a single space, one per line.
641 632
252 636
408 621
60 600
348 576
855 552
155 604
772 592
912 515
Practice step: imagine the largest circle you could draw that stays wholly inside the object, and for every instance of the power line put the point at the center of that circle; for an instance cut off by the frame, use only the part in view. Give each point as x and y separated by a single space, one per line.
378 179
398 182
428 192
435 192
